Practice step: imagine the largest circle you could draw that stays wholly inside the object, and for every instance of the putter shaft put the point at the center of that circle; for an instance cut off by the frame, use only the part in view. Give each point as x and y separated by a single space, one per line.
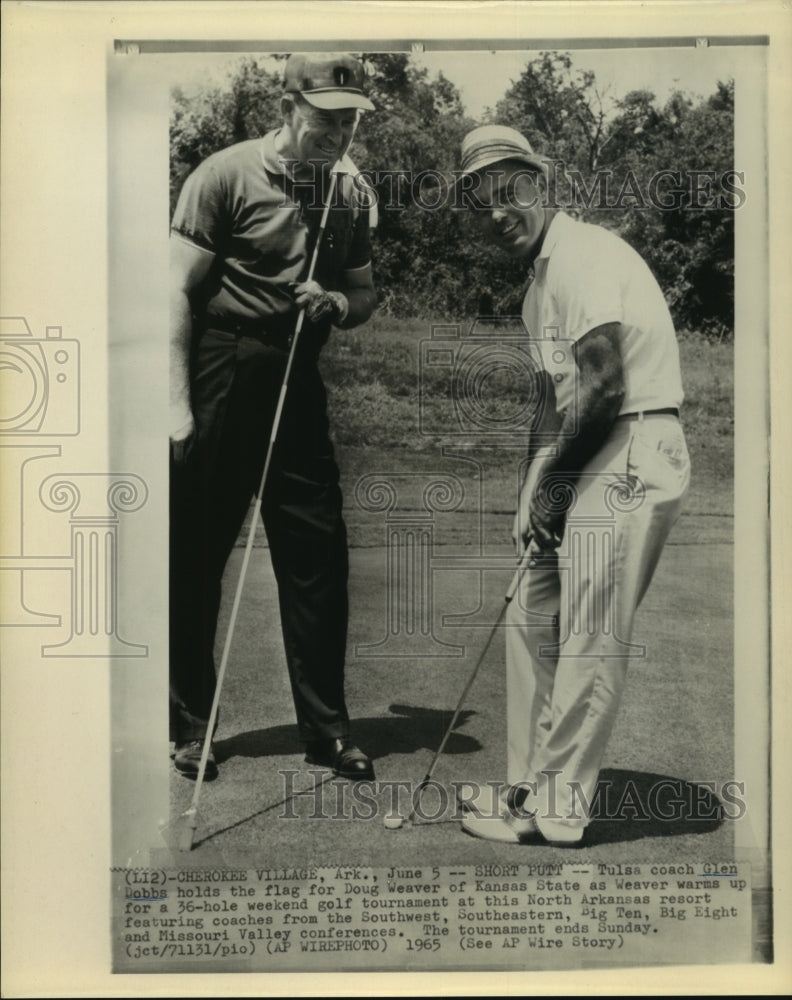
521 568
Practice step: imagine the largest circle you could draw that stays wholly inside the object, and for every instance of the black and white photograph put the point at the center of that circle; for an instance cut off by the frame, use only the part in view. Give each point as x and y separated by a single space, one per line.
390 475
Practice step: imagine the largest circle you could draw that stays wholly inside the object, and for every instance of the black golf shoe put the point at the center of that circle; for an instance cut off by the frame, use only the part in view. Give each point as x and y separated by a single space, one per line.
187 760
342 757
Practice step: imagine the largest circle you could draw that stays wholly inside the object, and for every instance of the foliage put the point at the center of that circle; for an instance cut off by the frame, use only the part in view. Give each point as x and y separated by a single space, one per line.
248 107
562 112
656 175
431 261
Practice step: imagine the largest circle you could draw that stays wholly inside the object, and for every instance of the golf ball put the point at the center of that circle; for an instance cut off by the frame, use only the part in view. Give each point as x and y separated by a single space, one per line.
393 822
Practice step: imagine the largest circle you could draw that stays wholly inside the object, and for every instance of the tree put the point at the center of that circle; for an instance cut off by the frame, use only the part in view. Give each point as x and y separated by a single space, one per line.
689 243
611 154
217 116
562 111
429 260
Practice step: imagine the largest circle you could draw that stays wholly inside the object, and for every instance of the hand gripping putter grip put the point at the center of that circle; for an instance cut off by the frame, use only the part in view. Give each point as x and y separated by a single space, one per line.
524 564
190 815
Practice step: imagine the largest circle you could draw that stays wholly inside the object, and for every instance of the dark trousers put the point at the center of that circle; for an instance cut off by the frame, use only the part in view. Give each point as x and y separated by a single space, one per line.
235 387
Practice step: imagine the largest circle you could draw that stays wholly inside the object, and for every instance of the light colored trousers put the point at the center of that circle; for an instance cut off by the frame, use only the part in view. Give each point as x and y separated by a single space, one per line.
570 626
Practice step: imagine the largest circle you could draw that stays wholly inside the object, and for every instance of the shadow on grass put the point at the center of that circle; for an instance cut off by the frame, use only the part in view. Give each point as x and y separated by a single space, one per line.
408 730
628 805
631 805
171 837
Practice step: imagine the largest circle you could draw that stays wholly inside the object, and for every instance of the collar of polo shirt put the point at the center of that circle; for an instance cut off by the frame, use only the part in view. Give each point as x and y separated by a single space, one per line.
554 231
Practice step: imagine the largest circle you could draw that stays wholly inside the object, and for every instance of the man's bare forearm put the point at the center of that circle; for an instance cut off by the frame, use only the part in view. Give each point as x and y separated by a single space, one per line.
582 434
361 303
180 341
189 267
586 424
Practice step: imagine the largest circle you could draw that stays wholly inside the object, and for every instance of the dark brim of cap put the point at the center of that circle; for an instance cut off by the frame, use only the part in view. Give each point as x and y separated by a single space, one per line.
335 100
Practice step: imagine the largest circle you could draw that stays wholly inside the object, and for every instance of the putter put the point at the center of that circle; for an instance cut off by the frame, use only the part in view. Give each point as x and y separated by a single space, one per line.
190 815
522 566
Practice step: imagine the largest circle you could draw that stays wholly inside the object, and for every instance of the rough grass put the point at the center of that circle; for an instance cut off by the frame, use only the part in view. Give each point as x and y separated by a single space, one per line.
372 380
387 415
708 418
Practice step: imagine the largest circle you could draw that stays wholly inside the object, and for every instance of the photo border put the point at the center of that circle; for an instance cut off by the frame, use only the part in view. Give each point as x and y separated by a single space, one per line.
47 36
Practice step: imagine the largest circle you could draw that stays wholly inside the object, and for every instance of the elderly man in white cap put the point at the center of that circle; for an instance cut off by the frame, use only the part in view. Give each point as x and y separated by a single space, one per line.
242 236
608 470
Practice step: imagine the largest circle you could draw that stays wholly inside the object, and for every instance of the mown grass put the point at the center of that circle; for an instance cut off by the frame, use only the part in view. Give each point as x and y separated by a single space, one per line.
384 415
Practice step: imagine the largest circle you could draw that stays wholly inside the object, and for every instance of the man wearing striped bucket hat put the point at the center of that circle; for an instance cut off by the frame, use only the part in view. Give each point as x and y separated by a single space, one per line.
607 471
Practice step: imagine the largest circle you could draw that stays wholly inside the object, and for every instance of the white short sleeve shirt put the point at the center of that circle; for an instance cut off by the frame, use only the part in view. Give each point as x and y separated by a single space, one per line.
587 276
